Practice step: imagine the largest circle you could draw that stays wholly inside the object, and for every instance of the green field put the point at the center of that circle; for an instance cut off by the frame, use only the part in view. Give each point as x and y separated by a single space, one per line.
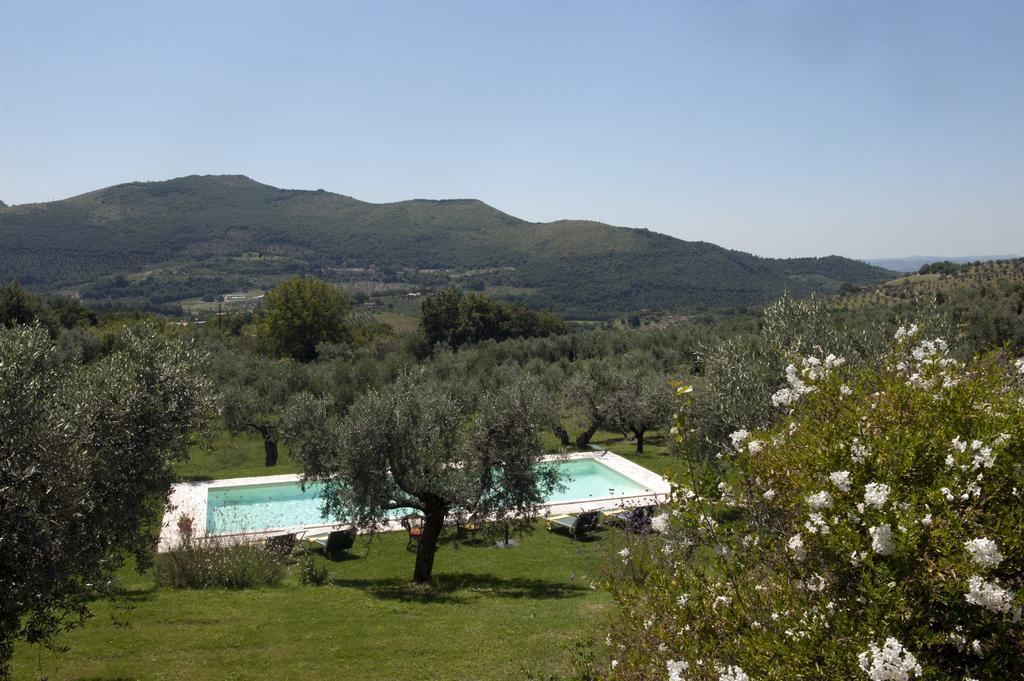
401 323
493 614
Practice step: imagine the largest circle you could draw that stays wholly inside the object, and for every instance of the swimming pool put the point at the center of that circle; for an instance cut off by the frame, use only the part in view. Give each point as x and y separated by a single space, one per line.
265 505
248 508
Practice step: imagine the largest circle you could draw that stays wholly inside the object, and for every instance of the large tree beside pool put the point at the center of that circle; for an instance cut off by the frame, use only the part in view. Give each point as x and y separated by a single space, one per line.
421 444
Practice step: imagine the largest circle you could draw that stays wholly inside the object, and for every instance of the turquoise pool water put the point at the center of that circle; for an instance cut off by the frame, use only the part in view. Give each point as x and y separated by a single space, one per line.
256 507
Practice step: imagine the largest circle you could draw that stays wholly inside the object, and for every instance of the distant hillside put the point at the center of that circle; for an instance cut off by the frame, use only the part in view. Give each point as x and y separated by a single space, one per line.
209 235
915 262
985 298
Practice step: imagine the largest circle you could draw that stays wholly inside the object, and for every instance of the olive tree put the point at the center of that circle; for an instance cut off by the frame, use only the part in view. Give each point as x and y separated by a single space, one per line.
420 445
255 394
641 400
740 373
85 464
582 399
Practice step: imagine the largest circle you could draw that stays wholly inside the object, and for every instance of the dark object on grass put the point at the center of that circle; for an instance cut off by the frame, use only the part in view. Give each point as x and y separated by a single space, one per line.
636 520
281 545
336 542
576 525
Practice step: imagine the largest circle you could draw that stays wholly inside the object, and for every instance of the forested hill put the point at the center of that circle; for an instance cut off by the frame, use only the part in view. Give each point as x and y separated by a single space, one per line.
207 235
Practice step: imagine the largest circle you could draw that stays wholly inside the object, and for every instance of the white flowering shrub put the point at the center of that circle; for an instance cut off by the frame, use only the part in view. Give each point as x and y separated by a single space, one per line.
875 532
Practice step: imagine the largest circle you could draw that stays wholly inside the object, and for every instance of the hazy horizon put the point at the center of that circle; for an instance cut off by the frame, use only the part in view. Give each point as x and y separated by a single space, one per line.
793 129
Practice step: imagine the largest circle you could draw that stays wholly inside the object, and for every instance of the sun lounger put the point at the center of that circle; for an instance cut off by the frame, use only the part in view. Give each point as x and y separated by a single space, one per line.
282 544
335 542
576 524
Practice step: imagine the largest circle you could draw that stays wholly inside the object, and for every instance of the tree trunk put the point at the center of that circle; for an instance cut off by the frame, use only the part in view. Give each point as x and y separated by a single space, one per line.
561 434
639 435
427 546
583 440
269 446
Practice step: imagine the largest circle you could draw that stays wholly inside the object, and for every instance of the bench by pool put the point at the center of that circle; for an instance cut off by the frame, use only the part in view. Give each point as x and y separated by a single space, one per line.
241 507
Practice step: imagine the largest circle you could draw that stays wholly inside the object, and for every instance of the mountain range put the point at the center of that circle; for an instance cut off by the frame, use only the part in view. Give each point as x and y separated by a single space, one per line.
208 235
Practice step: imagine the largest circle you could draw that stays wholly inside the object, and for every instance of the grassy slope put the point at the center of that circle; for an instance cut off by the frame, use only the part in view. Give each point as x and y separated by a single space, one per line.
980 280
232 456
494 613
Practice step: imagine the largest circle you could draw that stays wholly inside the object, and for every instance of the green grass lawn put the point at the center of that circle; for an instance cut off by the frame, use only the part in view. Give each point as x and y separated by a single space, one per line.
493 614
232 456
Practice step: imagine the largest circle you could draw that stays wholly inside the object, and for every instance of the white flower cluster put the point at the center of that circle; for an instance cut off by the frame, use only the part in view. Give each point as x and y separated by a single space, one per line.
796 545
876 494
819 500
755 447
991 596
984 551
738 438
815 584
659 523
982 457
906 332
925 355
1020 365
816 524
841 479
732 673
928 349
811 368
891 662
676 669
881 540
858 451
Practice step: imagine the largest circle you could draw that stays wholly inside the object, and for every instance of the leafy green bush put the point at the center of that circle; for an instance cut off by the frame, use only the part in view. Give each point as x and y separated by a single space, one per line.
312 573
874 532
209 563
740 372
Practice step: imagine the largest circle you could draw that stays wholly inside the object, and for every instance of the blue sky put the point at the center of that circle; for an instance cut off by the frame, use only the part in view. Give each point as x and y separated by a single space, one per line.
780 128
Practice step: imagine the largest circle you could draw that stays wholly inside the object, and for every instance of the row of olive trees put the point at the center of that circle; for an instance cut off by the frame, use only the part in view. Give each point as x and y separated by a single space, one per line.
631 395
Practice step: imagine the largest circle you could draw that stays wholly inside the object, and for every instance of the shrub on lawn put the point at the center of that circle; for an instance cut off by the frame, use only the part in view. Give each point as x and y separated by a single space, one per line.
208 563
874 533
313 574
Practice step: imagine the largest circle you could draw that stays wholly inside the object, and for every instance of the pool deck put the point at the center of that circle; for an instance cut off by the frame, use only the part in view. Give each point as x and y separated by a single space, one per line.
189 499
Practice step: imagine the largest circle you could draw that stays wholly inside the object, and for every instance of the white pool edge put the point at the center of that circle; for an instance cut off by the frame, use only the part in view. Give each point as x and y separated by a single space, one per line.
189 499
